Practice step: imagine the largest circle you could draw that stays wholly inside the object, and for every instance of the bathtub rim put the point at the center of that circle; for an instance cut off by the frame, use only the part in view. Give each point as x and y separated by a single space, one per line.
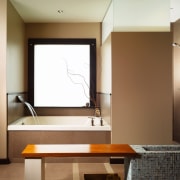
13 127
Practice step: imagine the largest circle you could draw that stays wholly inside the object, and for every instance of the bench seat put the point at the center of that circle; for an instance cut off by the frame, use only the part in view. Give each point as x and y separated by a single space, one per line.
77 150
34 154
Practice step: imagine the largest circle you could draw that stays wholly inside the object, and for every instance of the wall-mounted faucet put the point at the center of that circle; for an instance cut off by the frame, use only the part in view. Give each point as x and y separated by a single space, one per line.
20 99
28 105
176 45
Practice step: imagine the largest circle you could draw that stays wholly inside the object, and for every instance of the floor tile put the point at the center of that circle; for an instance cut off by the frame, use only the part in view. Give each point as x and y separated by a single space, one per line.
58 171
61 171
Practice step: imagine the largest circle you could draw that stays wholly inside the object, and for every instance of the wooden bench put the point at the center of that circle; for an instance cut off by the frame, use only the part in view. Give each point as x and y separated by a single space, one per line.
34 154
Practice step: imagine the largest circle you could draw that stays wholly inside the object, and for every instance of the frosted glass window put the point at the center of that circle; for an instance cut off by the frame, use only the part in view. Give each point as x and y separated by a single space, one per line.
62 75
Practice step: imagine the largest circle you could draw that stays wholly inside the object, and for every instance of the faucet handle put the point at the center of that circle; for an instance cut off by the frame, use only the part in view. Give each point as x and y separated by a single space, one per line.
101 122
92 120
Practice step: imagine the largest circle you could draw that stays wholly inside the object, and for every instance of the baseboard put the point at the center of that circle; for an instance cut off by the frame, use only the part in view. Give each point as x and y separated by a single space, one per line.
116 160
101 176
4 161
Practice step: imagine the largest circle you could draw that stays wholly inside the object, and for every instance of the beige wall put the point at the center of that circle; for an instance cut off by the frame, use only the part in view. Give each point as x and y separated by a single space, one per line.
176 74
15 51
106 67
67 30
15 63
3 105
142 88
11 63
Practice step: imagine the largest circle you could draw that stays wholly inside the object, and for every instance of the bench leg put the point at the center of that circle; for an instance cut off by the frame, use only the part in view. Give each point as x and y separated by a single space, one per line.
34 169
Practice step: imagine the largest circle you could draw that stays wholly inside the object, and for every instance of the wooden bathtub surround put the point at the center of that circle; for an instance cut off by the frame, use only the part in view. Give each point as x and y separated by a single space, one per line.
34 154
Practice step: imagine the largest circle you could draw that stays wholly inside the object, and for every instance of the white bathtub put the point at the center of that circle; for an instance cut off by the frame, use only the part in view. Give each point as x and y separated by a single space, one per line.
55 123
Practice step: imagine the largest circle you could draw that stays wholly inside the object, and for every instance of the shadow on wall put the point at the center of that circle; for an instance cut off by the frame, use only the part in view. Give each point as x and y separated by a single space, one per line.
105 106
15 109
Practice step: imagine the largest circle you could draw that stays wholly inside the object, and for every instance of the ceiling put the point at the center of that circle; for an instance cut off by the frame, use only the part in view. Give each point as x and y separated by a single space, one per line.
61 10
50 11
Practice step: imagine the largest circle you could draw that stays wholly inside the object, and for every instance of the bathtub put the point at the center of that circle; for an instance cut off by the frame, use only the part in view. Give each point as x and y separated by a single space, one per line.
63 123
56 130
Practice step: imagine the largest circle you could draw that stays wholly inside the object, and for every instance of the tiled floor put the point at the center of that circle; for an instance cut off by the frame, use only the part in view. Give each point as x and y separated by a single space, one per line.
62 171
